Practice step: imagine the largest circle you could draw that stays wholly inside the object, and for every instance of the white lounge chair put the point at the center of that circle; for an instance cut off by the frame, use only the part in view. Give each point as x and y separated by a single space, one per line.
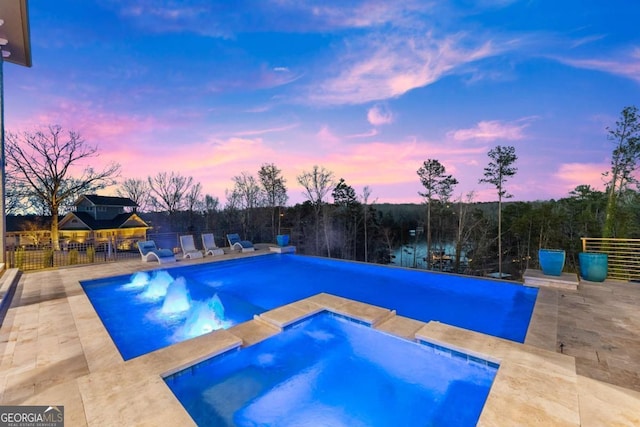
150 252
209 245
237 244
188 246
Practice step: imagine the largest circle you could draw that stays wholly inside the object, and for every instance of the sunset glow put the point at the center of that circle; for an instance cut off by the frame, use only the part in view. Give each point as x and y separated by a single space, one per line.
368 89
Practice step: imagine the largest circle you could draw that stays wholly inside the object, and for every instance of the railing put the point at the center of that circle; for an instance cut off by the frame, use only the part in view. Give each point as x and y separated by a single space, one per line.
36 257
623 256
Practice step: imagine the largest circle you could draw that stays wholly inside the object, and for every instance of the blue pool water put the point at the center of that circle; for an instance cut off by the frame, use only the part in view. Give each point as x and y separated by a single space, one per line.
135 313
329 371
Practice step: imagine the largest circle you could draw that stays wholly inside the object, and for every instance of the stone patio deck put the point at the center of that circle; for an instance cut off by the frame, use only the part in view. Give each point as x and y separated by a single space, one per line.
580 363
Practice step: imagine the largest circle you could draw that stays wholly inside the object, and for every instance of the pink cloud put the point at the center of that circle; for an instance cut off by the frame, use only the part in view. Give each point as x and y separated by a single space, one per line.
628 66
394 64
574 174
379 114
369 134
266 130
326 137
490 131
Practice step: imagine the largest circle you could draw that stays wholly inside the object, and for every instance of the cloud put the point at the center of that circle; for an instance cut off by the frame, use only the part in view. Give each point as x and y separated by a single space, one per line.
217 19
326 137
372 132
490 131
627 66
379 115
574 174
388 65
252 132
366 14
251 77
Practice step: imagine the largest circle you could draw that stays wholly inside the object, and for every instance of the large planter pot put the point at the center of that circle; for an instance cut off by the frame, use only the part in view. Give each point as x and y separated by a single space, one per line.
282 239
593 266
551 261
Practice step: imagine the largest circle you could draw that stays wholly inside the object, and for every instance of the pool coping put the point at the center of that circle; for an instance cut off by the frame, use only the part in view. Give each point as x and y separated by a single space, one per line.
533 385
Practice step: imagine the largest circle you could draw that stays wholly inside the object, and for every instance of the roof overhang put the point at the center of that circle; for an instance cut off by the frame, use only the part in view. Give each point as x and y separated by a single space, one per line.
15 30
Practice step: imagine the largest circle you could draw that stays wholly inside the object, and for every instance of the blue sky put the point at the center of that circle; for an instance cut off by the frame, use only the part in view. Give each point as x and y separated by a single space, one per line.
367 89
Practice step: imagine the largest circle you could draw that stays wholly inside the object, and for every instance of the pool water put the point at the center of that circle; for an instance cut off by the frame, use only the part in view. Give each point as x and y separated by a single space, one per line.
327 370
136 315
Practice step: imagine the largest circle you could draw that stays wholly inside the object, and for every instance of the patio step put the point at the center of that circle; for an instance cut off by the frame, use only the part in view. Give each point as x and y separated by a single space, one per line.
566 281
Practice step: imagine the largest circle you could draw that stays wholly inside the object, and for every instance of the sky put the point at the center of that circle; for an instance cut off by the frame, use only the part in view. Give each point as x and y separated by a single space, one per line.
367 89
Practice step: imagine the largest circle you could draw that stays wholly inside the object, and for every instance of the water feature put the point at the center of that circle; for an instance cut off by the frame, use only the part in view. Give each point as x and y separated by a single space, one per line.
204 317
177 299
169 313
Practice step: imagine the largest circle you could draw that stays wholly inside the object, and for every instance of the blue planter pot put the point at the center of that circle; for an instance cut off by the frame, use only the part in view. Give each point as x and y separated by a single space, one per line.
551 261
282 239
593 266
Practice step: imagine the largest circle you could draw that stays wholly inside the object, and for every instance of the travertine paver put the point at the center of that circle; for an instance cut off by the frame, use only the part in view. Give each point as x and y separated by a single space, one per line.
600 326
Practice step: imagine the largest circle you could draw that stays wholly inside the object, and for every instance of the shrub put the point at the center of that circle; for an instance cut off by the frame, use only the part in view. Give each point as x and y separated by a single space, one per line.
73 256
48 258
19 257
91 253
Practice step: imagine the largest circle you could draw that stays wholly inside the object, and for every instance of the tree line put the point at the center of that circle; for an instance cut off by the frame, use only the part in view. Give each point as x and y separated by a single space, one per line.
334 220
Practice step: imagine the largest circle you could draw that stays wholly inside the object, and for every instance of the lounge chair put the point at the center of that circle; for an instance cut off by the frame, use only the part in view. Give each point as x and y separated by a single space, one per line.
209 245
236 244
188 246
150 252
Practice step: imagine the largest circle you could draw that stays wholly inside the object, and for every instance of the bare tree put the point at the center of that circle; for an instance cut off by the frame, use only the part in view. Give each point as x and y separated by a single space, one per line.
211 206
194 202
465 227
168 191
496 173
42 161
137 190
273 185
246 192
15 197
317 183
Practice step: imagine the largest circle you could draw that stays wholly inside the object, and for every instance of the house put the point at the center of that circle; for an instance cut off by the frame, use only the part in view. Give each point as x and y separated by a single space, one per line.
102 219
28 230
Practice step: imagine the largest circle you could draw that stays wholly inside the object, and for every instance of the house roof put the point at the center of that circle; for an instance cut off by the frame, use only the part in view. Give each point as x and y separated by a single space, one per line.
119 221
107 200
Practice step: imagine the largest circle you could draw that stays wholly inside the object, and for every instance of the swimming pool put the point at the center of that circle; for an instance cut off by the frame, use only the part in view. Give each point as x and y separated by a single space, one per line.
328 370
146 312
